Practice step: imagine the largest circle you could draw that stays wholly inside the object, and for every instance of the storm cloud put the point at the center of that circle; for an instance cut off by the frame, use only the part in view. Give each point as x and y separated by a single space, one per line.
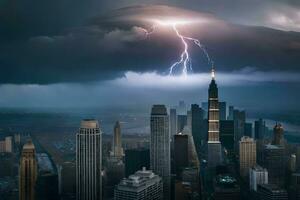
107 46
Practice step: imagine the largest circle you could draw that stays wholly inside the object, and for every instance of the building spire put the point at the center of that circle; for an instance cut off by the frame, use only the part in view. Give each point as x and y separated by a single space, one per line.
212 71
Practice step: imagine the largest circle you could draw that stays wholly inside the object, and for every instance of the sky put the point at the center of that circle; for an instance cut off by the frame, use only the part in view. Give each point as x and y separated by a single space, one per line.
69 53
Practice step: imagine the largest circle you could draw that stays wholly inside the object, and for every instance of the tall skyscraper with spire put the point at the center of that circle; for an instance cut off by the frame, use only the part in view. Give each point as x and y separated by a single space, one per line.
160 160
27 172
88 161
214 145
117 146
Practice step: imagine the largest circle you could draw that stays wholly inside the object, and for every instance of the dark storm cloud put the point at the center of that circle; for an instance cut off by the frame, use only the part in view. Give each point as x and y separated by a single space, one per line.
109 45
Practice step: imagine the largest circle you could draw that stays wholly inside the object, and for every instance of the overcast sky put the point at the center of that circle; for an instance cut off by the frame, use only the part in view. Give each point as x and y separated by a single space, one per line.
54 52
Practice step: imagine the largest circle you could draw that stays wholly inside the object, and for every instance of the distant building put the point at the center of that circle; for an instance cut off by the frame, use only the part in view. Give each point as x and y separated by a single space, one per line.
259 129
248 130
47 179
223 110
28 172
239 118
257 175
89 161
136 159
173 122
180 153
199 135
230 113
160 161
181 122
117 144
114 172
6 145
142 185
67 180
213 143
247 148
271 191
278 138
274 161
182 108
227 136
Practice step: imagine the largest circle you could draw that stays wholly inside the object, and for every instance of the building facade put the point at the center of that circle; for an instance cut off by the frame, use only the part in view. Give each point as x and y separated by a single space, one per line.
160 161
247 149
88 161
257 175
27 172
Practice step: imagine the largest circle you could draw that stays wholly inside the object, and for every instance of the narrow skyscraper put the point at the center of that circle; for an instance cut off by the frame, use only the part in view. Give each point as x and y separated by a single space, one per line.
160 146
88 161
117 146
27 172
214 145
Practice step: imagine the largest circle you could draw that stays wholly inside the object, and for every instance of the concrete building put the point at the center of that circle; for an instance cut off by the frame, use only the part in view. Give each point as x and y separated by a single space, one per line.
247 149
27 172
160 160
143 185
257 175
88 161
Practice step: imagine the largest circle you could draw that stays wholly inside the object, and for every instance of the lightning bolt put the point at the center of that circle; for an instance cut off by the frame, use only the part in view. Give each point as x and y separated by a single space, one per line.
184 61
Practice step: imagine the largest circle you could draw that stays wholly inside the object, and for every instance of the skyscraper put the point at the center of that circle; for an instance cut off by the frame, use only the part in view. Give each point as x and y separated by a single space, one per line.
197 126
239 118
259 129
247 155
278 135
227 136
214 145
28 172
223 110
274 161
88 161
173 121
160 146
117 149
181 152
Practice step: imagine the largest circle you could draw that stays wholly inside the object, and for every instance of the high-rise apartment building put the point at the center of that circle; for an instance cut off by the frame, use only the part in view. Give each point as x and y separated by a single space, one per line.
88 161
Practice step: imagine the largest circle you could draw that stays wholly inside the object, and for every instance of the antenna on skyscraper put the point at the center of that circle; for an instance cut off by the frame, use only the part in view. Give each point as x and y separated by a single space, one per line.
213 71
